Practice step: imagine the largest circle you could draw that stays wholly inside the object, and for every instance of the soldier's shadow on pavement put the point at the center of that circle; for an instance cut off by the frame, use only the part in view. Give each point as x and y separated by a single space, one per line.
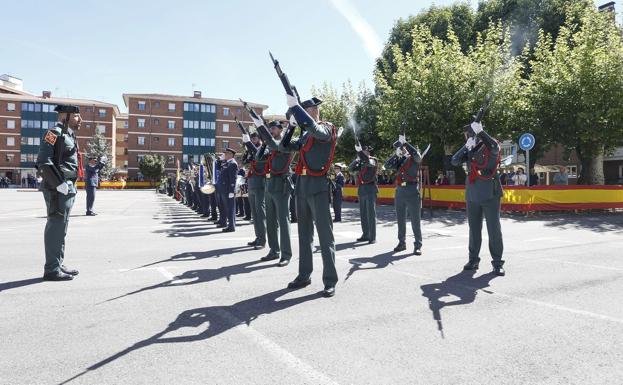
463 286
193 277
210 321
379 261
199 255
15 284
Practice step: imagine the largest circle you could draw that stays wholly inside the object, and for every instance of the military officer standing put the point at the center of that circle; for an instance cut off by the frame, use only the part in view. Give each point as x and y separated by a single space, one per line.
483 194
366 168
258 168
227 181
406 161
278 188
58 163
316 147
338 183
92 180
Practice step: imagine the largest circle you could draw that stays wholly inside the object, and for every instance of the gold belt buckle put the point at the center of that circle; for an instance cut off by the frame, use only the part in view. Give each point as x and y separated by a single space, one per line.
304 172
403 184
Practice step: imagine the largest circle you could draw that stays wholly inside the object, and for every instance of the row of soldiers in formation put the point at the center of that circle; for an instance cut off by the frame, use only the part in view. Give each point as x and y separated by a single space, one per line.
270 188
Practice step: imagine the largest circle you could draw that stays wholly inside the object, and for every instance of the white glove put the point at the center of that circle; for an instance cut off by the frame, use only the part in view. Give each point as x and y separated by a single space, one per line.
477 127
402 139
222 157
358 147
470 144
246 138
293 120
231 195
63 188
257 122
291 100
104 159
399 151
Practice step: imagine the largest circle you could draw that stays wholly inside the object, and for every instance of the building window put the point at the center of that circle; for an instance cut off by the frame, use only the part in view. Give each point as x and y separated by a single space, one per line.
10 141
225 144
171 124
141 140
171 159
100 129
212 126
139 158
88 109
10 158
202 142
171 142
225 111
185 158
195 141
237 111
156 139
156 122
156 104
225 127
10 107
10 124
141 106
171 107
125 138
185 141
126 124
102 113
141 123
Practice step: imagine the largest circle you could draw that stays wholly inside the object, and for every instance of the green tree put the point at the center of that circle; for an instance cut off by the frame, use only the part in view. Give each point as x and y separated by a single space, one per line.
439 20
576 90
99 146
152 167
437 88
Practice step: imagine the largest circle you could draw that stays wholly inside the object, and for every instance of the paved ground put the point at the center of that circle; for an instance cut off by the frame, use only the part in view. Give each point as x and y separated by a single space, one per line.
165 298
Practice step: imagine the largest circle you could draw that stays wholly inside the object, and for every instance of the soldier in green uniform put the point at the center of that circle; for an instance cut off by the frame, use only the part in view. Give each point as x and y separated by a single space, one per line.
316 147
366 168
58 163
406 161
278 188
483 194
258 168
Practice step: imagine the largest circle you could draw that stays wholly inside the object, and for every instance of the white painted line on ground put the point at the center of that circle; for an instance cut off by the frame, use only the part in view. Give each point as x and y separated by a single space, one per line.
551 239
516 298
347 234
582 264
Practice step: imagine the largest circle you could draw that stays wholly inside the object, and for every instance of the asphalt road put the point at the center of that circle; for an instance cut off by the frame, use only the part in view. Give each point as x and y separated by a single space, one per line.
165 298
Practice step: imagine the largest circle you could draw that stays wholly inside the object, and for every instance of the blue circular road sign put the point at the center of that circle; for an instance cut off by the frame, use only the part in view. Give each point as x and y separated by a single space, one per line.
526 142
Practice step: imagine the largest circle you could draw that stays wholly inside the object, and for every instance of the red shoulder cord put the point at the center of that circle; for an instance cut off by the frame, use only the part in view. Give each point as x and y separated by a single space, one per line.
360 179
254 172
476 167
285 169
403 171
302 163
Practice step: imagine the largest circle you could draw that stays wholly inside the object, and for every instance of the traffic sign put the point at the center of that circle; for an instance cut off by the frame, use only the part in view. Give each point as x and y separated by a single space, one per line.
526 142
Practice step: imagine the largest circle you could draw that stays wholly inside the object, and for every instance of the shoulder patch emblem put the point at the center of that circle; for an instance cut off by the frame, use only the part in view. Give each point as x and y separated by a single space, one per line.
50 137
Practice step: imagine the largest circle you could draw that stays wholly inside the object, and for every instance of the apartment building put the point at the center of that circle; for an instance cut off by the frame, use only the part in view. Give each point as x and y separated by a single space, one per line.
25 117
181 127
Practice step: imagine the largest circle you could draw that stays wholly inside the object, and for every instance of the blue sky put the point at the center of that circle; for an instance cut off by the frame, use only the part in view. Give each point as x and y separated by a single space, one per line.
100 49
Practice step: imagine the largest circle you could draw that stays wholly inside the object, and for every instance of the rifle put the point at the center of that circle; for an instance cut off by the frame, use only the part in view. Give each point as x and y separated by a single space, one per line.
262 130
483 109
241 126
403 131
289 88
